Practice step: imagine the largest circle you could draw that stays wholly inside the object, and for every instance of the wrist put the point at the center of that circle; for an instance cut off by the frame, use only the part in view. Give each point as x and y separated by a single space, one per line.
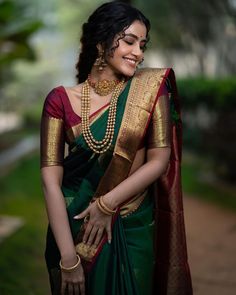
110 202
69 259
71 267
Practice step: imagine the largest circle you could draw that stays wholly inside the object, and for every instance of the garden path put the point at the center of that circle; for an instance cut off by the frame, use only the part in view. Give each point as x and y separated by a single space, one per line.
211 238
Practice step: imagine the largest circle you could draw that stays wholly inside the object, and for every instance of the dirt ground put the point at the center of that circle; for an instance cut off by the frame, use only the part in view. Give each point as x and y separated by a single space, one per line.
211 238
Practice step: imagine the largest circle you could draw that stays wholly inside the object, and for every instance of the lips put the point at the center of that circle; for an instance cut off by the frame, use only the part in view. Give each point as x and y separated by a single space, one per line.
131 61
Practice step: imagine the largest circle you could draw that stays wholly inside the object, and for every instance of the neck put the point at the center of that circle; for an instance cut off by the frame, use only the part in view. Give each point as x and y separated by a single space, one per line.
106 74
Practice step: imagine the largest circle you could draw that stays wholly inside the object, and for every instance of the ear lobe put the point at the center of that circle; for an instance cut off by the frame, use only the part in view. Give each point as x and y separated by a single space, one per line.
99 47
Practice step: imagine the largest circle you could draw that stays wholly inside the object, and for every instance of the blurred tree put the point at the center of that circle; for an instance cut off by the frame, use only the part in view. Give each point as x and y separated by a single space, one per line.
209 109
193 26
16 27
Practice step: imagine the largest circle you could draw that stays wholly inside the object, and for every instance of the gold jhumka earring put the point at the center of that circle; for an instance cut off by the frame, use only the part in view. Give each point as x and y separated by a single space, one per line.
100 61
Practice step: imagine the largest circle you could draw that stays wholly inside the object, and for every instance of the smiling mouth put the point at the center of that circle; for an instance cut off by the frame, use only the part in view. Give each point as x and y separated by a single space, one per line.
131 61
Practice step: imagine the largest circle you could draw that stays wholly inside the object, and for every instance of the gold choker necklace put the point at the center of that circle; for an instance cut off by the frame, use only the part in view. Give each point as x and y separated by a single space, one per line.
103 87
99 146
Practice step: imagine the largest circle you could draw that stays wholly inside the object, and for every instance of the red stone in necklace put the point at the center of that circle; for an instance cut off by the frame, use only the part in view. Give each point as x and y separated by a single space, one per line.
103 87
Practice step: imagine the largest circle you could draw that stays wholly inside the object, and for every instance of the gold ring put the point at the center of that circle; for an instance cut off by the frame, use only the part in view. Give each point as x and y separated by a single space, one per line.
86 219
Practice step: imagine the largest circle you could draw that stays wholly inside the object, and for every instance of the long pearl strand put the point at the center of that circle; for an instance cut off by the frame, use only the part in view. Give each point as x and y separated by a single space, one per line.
99 146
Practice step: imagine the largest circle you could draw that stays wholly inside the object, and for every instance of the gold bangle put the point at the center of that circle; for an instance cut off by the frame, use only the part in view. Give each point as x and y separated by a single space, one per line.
70 269
105 206
101 208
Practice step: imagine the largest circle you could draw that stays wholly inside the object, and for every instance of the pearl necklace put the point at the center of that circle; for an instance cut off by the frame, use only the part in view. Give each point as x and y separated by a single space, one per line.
99 146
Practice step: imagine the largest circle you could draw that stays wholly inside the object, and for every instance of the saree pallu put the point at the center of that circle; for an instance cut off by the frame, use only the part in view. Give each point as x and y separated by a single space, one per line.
137 261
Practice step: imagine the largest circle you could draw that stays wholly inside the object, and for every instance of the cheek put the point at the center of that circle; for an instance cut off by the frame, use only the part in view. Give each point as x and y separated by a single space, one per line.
122 50
115 59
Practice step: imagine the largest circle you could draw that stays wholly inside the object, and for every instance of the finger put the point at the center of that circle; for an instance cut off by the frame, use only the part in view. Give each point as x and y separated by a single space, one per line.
99 236
70 289
82 214
92 235
109 235
76 289
82 288
63 288
87 232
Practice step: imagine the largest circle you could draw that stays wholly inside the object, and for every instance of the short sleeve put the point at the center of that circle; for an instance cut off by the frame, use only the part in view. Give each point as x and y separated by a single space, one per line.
52 137
158 134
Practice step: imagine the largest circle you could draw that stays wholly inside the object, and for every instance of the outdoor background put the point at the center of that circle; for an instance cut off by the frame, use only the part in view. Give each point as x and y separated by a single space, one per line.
39 46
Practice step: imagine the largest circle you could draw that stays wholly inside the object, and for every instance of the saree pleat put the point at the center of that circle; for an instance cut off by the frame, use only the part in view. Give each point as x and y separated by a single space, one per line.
126 266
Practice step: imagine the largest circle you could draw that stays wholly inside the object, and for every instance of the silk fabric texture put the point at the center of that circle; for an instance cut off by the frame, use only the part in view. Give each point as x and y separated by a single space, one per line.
148 250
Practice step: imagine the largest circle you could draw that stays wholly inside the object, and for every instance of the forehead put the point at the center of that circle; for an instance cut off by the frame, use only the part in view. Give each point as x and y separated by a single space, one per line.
138 29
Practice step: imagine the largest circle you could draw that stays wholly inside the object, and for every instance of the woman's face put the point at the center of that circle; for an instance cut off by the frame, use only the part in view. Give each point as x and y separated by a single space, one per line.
129 53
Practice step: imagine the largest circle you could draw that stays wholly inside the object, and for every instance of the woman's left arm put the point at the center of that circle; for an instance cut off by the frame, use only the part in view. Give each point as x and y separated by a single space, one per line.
157 158
155 166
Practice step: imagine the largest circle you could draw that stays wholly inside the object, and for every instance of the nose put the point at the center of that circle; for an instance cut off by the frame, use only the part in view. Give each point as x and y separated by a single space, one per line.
137 51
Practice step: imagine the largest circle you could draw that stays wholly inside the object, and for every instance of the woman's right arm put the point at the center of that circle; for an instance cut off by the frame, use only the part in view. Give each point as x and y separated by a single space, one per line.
57 215
52 154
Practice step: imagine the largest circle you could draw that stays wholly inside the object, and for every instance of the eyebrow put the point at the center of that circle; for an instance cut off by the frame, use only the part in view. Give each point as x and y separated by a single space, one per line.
135 37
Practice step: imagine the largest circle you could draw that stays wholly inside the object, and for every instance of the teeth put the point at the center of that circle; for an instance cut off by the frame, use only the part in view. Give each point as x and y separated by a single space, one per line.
131 60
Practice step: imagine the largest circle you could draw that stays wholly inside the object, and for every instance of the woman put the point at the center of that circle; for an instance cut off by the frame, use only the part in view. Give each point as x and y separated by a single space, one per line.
106 234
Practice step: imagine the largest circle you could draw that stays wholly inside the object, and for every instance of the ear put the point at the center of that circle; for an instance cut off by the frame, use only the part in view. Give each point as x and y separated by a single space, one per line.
99 47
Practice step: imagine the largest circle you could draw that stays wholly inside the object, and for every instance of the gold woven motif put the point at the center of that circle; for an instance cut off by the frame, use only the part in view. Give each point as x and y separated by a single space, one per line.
52 151
141 99
159 127
132 205
85 251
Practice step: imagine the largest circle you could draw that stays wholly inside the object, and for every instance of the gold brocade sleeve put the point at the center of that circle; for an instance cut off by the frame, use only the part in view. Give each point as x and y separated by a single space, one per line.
52 142
158 134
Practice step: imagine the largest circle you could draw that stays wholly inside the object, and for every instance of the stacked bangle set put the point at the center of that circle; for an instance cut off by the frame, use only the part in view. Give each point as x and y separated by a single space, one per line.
106 210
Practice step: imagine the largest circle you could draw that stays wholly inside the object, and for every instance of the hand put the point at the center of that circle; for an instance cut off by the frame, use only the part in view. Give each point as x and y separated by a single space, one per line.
97 223
73 282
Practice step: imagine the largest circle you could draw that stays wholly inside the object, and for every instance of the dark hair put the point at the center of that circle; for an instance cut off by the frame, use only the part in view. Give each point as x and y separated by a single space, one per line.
102 26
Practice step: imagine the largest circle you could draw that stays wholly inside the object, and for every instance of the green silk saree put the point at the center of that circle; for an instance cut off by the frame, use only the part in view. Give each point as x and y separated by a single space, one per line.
131 264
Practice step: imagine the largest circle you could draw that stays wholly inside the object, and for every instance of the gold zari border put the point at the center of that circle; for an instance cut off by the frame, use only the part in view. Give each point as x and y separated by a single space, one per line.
52 143
141 101
132 205
159 129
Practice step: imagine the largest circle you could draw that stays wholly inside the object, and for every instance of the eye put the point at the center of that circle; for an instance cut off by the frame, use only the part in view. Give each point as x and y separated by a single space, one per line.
129 42
143 46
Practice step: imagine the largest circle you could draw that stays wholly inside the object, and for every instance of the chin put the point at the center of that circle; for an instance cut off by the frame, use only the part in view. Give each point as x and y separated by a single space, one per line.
128 72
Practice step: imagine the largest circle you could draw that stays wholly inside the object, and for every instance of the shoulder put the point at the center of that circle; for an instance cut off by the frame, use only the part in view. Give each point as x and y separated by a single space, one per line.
53 104
74 91
152 72
54 94
163 77
151 78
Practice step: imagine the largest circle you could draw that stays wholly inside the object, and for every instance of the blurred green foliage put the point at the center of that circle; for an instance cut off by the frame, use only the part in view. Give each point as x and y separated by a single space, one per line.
176 23
215 94
16 28
196 182
194 26
22 266
209 112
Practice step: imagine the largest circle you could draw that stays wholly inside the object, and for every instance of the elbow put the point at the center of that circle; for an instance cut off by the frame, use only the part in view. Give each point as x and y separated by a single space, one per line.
51 178
165 168
160 158
46 187
166 161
